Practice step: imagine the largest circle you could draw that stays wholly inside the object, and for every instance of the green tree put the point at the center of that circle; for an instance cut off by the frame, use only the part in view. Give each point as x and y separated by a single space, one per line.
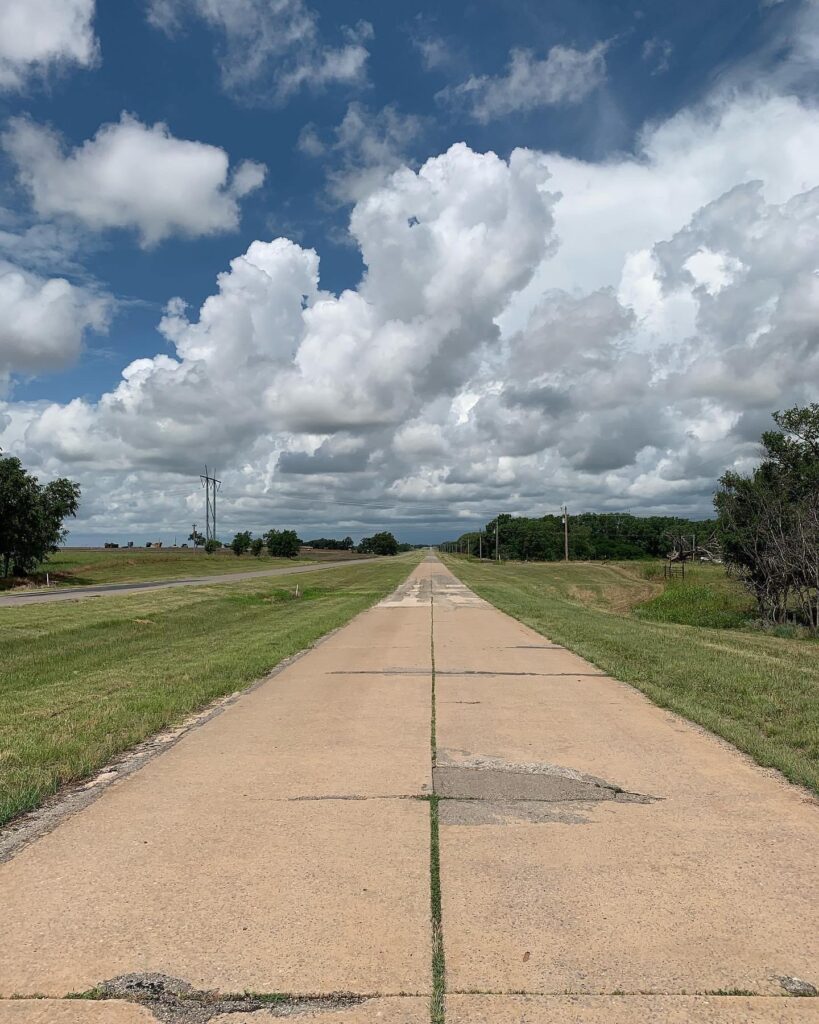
212 546
282 543
379 544
241 542
31 516
197 538
768 522
256 546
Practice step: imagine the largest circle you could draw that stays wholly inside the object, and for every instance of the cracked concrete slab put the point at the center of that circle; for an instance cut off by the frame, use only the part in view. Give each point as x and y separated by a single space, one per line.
72 1011
379 638
309 734
304 897
504 658
713 885
316 896
209 865
632 1009
633 900
499 644
432 584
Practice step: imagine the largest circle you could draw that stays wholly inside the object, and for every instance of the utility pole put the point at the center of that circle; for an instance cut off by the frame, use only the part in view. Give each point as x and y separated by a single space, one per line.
480 544
497 543
211 485
565 534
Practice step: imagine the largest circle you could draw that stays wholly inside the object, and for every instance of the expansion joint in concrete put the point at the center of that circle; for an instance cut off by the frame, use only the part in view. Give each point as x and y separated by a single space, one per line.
438 997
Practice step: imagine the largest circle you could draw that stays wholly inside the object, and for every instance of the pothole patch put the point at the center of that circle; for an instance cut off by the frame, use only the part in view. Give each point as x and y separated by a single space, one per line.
797 987
173 1001
498 781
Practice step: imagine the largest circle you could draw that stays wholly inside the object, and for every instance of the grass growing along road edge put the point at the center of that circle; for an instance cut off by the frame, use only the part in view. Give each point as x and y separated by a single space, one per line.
758 691
83 681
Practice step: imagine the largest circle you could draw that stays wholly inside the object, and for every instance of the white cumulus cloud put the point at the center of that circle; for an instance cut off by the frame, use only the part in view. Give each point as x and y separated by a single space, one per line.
38 35
133 176
43 320
526 332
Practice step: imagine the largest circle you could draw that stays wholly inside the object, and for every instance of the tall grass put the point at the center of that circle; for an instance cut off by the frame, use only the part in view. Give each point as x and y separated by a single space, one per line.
691 603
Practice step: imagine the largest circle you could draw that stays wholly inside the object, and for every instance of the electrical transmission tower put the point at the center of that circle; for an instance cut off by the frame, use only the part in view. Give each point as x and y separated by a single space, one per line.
211 485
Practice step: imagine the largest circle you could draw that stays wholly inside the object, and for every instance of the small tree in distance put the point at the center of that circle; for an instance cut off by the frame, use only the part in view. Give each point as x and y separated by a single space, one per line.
282 543
212 546
256 546
197 538
241 542
383 543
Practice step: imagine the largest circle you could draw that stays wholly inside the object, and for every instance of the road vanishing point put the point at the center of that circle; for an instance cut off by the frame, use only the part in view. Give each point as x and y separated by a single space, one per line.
435 813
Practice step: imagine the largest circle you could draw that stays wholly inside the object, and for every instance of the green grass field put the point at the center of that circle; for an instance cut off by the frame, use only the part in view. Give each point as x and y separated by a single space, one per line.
760 692
87 566
83 681
705 597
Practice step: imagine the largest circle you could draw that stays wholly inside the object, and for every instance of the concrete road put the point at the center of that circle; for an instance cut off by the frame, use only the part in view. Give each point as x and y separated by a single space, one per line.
603 860
115 589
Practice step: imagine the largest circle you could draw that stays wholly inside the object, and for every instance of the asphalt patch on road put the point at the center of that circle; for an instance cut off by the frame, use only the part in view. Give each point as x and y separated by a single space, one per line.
797 987
489 790
504 785
173 1001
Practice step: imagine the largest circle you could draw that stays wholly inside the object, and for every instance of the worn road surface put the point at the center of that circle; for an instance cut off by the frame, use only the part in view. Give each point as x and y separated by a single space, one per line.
114 589
601 859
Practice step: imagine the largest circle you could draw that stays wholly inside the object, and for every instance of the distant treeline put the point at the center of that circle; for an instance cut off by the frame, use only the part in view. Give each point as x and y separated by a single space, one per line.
591 536
287 544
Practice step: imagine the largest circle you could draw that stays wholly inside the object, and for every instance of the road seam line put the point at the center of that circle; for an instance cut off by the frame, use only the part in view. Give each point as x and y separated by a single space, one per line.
438 997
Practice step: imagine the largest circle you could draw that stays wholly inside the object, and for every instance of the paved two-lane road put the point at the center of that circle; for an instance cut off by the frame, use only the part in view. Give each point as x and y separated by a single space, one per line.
112 589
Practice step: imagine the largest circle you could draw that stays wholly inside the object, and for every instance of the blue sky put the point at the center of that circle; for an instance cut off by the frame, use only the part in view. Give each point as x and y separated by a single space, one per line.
176 80
613 94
